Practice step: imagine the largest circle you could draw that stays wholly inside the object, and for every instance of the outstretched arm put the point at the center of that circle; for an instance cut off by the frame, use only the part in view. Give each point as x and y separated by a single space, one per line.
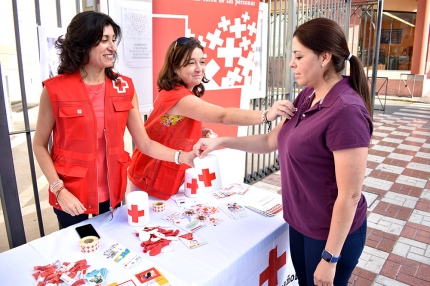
151 147
260 144
198 109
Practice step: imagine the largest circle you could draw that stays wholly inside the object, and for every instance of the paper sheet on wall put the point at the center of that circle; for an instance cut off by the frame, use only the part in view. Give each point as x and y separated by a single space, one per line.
137 36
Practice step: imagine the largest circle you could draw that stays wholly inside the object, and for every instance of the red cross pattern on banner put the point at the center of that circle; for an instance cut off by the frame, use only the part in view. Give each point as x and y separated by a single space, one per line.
228 33
135 213
275 263
207 177
193 186
120 85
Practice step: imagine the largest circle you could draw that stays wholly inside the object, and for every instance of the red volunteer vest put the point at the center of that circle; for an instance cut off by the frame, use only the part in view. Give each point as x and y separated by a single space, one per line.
158 178
74 146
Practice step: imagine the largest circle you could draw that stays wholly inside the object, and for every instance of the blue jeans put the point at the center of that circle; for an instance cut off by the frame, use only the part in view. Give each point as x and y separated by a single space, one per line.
306 255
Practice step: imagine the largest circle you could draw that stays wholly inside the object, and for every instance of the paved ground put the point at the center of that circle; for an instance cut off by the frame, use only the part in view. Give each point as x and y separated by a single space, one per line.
396 186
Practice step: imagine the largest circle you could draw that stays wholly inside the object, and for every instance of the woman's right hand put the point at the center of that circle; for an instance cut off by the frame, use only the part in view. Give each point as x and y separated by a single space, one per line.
70 204
206 145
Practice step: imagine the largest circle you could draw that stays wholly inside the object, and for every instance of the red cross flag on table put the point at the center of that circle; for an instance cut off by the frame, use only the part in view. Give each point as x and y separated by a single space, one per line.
137 208
191 186
270 274
208 174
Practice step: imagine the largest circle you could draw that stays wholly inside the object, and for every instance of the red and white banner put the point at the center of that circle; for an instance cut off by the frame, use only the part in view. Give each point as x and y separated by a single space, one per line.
228 32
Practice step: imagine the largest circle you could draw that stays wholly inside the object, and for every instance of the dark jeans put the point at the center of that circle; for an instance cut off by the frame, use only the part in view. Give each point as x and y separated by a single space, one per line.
66 220
306 254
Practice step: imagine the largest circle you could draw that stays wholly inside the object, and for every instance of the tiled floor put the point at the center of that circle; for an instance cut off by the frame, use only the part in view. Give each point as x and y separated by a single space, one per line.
397 189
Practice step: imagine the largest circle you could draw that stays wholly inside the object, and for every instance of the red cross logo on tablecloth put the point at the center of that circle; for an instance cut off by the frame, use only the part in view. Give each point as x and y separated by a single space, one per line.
193 186
135 214
207 177
120 85
275 263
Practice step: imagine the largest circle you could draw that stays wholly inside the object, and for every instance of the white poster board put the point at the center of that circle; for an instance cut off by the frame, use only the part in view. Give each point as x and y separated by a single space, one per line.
137 36
135 50
49 59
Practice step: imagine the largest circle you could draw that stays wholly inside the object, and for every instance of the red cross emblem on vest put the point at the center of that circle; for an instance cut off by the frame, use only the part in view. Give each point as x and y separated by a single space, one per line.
193 186
275 263
207 177
120 85
135 213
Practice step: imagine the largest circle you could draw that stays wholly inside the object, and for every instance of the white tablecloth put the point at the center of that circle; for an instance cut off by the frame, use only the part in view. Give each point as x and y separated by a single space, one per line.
16 265
250 251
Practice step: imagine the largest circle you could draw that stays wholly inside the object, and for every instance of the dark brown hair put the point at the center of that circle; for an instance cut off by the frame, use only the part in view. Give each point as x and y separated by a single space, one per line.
177 56
325 35
84 32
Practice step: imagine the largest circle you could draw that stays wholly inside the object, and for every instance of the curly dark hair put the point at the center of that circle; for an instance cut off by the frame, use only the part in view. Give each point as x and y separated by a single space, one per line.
84 32
177 56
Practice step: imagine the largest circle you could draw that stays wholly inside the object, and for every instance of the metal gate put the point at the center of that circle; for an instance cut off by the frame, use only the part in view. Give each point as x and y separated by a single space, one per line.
281 84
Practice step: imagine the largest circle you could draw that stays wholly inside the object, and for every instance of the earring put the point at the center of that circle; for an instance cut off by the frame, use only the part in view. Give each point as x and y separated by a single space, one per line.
323 65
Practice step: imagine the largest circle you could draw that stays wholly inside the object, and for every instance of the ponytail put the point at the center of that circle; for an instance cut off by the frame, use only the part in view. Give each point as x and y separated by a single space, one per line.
359 82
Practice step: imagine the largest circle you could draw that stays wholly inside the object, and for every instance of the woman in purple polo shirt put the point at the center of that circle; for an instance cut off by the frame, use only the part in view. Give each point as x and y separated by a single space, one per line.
323 154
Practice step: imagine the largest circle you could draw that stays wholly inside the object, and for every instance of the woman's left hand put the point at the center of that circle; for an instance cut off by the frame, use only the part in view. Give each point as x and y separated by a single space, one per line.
324 274
281 108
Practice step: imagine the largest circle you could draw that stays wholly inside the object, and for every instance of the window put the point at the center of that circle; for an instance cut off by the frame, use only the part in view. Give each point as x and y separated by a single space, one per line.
397 40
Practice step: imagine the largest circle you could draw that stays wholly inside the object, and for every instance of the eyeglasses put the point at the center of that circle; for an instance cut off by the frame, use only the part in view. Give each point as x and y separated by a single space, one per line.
183 40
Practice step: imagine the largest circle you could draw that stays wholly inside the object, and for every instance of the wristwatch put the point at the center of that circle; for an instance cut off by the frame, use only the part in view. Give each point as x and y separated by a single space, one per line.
327 256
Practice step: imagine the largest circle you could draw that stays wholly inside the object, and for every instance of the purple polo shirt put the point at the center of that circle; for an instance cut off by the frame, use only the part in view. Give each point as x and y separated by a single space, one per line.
306 143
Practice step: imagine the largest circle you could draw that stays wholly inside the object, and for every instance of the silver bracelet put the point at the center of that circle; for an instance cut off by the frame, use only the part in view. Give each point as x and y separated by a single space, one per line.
55 184
177 157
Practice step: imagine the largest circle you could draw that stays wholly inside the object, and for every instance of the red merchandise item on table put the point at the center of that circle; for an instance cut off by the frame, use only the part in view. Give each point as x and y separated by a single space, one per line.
156 242
51 273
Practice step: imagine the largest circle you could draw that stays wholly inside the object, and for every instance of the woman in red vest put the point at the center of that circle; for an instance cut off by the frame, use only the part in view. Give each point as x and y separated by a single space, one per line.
176 120
86 108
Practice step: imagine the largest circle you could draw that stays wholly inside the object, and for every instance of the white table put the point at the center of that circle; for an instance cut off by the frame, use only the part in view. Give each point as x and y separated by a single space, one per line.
239 252
16 265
